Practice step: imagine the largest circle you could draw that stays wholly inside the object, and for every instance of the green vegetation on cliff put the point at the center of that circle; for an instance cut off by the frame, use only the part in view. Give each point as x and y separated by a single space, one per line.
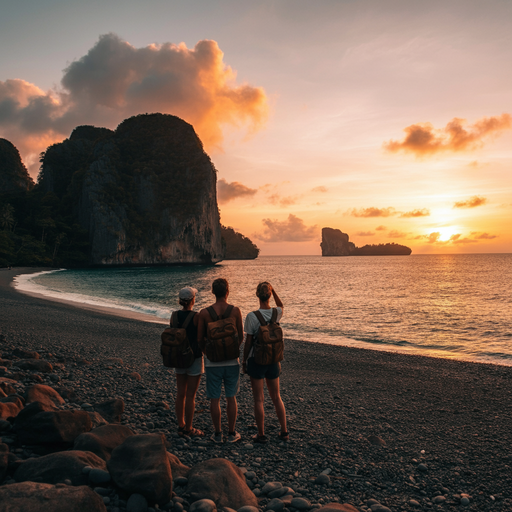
238 246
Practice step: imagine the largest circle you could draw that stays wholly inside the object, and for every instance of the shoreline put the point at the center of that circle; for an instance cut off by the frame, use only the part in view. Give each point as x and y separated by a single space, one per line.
147 318
452 417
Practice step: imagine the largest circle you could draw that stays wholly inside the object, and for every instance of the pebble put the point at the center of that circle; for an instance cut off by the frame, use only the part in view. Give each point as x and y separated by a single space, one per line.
276 505
137 503
414 503
181 480
464 501
271 486
422 467
322 479
98 476
277 493
300 504
439 499
248 508
203 506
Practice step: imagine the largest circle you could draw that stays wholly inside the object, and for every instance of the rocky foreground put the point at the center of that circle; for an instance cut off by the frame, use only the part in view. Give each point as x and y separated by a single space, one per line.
88 424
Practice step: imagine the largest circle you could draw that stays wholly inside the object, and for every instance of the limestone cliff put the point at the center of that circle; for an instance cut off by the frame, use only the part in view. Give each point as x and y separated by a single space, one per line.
146 192
13 174
335 243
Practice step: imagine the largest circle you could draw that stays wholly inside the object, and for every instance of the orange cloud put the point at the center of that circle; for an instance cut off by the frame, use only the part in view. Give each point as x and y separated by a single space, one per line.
416 213
319 189
381 228
115 80
397 234
291 230
483 236
433 237
373 212
423 139
456 239
283 202
473 202
365 233
230 191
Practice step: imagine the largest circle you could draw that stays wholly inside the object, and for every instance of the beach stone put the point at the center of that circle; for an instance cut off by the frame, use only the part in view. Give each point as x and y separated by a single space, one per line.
51 427
99 476
277 493
300 503
376 441
246 508
97 419
4 426
14 399
270 487
338 507
203 506
34 365
141 465
137 503
414 503
8 410
276 505
464 501
25 354
439 499
221 481
44 394
102 440
58 467
111 410
379 508
422 467
134 376
6 363
178 469
322 479
34 497
2 393
67 394
4 460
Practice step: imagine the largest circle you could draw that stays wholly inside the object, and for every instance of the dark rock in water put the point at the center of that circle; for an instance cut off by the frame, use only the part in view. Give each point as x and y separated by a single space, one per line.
145 192
335 243
50 427
35 497
221 481
140 465
178 469
57 467
238 246
35 365
111 410
4 460
102 440
43 394
14 176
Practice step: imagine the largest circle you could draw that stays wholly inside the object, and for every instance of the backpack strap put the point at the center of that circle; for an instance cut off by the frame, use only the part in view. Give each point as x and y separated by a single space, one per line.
188 319
273 320
227 313
174 319
214 315
259 316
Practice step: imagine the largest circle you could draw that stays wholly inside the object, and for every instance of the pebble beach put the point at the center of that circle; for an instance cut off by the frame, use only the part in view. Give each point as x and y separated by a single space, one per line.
374 430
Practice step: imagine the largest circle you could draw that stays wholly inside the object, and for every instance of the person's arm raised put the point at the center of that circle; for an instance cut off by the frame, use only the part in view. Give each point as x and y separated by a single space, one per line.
279 302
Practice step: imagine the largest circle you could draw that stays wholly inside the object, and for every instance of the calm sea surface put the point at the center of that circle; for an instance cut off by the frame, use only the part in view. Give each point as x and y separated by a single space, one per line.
454 306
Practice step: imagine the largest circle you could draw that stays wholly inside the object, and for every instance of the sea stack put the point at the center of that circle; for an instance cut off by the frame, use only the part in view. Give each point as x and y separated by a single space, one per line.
336 243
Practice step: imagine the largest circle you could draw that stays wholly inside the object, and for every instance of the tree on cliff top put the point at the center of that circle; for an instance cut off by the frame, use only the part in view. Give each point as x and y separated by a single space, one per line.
238 246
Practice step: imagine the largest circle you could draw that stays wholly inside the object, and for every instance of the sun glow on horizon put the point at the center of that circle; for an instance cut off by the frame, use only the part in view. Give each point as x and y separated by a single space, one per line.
447 232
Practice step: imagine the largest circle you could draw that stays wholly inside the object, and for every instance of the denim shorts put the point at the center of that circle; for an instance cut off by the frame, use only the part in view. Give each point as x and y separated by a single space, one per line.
263 371
197 368
216 375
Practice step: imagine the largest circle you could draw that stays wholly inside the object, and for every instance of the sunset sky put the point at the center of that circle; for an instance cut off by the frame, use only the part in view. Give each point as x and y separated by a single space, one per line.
390 120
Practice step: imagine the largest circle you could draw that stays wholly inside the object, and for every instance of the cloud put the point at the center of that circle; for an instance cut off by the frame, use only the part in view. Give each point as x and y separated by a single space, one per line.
115 80
456 239
365 233
373 212
433 237
319 189
423 139
230 191
415 213
291 230
381 228
483 236
473 202
397 234
283 202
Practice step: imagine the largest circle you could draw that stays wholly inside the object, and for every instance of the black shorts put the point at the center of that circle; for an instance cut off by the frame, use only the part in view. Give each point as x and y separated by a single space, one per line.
263 371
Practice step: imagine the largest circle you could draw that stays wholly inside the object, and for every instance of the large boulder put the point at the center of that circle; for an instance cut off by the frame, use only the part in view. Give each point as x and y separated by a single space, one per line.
141 465
178 469
8 410
221 481
25 354
34 365
102 440
57 467
35 425
34 497
111 410
338 507
97 419
43 394
4 460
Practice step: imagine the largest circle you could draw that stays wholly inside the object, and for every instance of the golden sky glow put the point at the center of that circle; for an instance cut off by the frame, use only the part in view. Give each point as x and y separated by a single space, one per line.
388 120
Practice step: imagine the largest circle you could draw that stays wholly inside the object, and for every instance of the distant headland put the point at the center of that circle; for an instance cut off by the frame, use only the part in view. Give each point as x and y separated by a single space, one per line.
336 243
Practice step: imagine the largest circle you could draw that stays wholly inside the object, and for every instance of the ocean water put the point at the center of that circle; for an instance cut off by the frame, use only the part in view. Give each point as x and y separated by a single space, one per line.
452 306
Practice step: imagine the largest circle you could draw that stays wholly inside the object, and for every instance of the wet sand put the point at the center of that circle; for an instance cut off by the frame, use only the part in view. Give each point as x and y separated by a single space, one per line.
443 425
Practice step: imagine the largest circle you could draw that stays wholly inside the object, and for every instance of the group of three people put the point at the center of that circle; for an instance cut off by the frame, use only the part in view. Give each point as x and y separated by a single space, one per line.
227 373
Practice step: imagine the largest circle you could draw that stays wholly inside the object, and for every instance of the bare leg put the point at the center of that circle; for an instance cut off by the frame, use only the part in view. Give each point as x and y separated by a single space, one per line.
215 412
273 391
232 410
179 404
259 411
190 400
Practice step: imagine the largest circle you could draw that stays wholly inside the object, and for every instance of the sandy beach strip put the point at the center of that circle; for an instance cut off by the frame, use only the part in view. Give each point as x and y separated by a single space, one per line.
392 427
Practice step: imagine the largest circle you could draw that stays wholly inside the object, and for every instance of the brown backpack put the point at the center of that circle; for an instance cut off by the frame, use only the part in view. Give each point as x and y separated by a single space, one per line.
269 342
176 350
222 337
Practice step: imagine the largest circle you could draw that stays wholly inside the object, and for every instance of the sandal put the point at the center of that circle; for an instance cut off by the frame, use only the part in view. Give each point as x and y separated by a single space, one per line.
259 439
181 431
193 432
284 436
